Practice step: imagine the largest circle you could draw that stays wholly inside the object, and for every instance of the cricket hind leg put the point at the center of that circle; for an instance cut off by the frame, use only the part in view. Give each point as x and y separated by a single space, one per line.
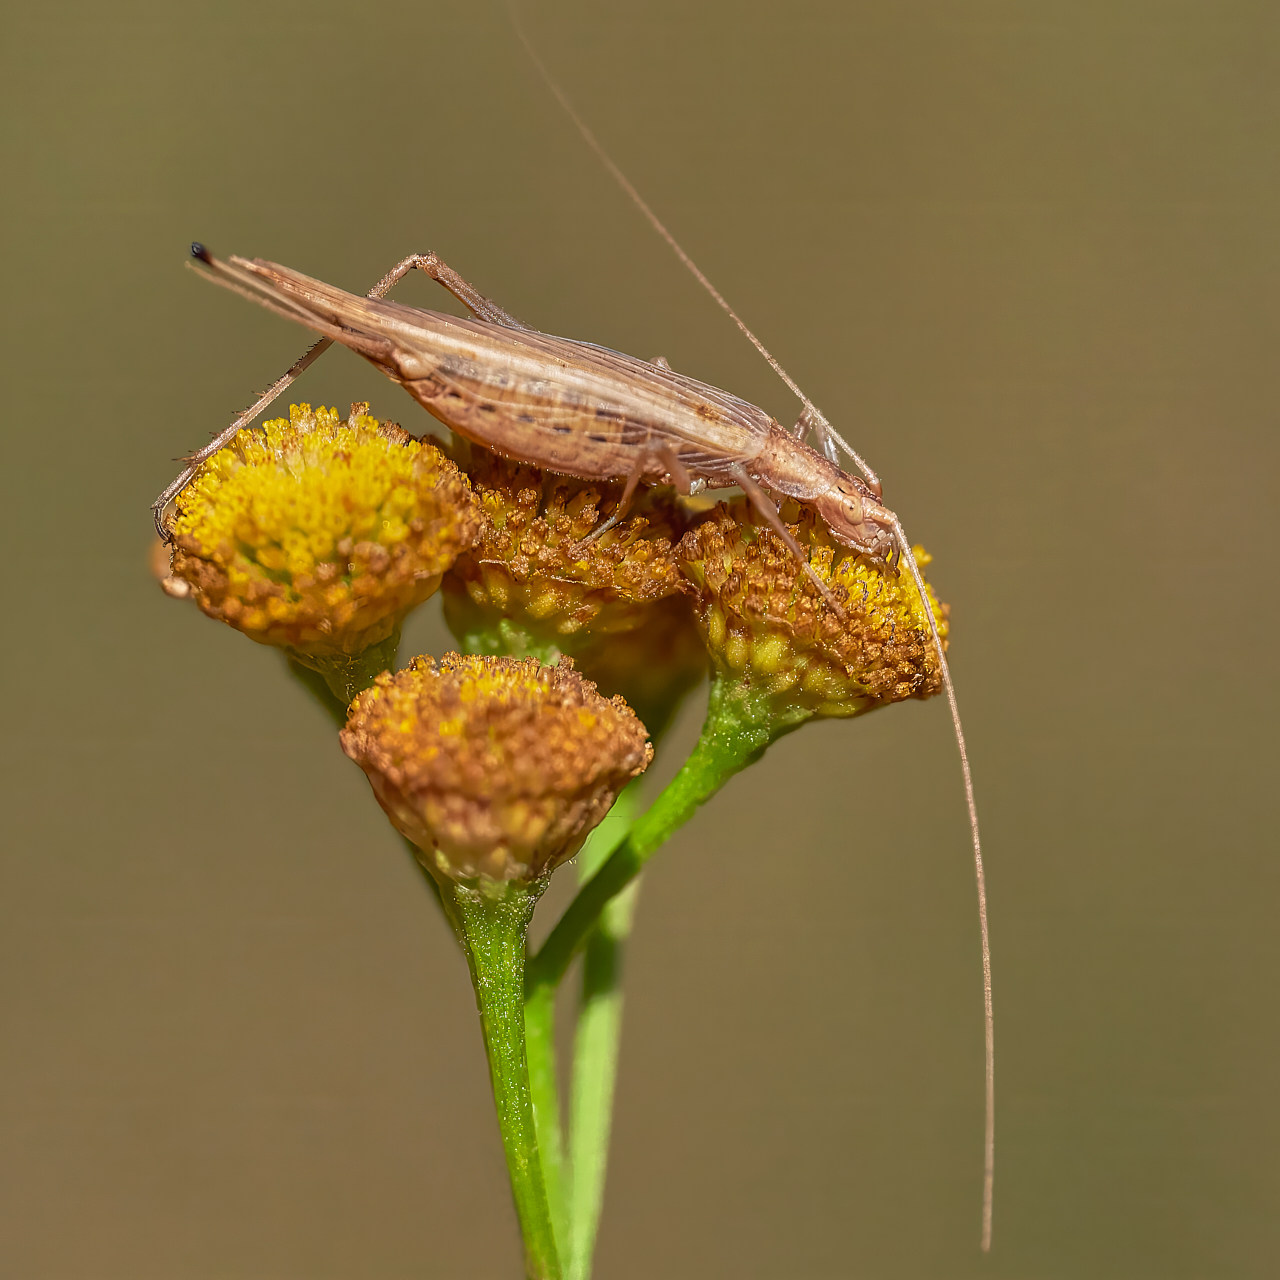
440 272
264 401
194 460
467 294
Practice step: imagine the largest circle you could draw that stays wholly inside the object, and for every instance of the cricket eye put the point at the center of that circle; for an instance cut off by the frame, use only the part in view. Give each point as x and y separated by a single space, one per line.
853 508
318 535
495 768
764 621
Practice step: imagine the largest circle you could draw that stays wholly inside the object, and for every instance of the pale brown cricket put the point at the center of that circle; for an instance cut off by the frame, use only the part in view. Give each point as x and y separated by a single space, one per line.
570 406
584 410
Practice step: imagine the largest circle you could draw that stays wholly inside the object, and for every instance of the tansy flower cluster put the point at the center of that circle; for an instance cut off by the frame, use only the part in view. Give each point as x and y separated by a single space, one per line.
540 557
319 535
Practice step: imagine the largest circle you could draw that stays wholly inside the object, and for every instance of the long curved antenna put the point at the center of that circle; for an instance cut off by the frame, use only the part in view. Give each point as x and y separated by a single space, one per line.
989 1144
819 420
660 227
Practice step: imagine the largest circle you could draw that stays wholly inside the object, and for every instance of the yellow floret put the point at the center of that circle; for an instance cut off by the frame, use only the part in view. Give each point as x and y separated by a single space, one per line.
320 534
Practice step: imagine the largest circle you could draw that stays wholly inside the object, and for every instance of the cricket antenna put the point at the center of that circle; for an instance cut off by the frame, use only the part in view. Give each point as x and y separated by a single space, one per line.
659 226
818 420
989 1135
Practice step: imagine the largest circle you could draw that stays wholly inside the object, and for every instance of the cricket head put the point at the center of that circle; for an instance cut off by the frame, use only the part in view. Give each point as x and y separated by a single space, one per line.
850 507
855 518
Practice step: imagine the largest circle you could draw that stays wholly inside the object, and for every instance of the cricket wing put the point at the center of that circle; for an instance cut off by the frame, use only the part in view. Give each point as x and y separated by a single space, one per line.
552 402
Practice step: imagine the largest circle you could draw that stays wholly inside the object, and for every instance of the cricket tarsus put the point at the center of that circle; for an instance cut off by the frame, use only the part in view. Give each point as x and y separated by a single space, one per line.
813 420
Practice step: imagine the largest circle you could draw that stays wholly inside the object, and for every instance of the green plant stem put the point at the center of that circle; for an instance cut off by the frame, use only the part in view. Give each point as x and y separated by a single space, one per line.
540 1037
492 927
741 723
345 674
505 638
596 1041
595 1071
544 1092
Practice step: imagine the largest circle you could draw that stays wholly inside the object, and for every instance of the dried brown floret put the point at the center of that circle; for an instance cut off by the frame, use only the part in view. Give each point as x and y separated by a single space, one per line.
494 767
763 618
533 567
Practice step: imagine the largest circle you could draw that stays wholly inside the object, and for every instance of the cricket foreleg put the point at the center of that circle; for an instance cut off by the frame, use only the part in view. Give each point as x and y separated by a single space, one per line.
830 441
264 401
764 504
829 438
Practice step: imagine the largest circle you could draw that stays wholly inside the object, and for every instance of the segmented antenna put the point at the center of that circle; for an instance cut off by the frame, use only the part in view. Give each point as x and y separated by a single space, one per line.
989 1144
660 227
819 420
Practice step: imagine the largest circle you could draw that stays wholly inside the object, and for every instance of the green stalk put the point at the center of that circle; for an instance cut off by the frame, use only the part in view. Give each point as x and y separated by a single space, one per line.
492 928
595 1071
540 1036
333 681
544 1092
596 1041
741 723
505 638
346 674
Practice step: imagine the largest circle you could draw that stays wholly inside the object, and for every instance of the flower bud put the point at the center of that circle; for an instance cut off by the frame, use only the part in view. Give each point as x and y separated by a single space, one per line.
320 535
496 768
764 620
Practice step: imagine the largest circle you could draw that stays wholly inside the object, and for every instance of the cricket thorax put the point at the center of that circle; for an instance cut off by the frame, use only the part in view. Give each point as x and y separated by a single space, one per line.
788 466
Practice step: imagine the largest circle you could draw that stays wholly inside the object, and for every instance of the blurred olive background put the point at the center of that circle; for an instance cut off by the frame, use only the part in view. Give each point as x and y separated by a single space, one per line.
1026 256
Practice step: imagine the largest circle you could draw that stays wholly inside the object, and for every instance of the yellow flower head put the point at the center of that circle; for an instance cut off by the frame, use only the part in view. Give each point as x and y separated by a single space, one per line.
318 534
531 567
494 767
762 618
